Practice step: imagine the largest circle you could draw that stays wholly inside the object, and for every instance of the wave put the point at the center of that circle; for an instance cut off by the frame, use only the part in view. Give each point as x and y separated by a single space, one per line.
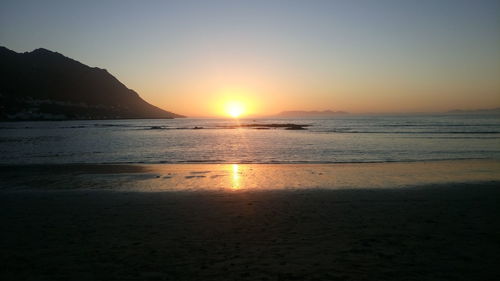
456 137
434 125
220 161
348 131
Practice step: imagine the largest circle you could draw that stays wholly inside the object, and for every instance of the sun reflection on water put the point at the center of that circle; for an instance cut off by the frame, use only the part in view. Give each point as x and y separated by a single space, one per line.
235 179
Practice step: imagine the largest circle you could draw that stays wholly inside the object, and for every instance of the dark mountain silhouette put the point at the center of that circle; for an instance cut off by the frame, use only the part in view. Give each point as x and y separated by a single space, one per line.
300 113
42 84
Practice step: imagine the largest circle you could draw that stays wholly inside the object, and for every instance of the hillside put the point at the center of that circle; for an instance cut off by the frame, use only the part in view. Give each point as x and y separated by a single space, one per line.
45 85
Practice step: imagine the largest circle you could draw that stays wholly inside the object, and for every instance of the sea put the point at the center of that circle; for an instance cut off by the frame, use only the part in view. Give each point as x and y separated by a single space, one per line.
338 139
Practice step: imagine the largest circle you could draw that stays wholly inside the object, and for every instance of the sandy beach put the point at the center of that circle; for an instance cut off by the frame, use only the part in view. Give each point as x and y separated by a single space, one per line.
64 225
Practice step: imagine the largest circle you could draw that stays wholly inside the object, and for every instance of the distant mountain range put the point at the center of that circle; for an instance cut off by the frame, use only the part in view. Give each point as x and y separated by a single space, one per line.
488 110
326 113
300 113
45 85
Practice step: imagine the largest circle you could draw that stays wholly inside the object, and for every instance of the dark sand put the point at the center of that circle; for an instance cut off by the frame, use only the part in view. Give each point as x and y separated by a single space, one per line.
433 232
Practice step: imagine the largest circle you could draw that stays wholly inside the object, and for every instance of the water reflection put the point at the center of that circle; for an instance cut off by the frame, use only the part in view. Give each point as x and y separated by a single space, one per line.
240 177
235 178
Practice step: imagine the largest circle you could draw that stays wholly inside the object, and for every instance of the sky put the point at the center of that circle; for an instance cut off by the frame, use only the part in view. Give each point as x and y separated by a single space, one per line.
193 57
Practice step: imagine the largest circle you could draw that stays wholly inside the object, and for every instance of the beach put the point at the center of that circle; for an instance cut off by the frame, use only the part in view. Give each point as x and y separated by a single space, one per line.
64 225
250 140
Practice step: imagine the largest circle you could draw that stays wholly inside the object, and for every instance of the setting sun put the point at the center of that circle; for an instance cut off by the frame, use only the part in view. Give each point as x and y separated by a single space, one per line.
235 109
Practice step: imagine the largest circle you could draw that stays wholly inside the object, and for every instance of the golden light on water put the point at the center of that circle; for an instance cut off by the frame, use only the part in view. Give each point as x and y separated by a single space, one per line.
235 178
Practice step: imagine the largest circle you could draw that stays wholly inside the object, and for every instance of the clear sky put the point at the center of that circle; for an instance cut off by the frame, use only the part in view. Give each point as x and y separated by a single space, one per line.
189 57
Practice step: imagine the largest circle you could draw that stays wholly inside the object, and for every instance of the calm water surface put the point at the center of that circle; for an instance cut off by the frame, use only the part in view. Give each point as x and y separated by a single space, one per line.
343 139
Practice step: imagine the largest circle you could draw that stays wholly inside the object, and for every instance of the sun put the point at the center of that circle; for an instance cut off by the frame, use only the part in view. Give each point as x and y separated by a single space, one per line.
235 109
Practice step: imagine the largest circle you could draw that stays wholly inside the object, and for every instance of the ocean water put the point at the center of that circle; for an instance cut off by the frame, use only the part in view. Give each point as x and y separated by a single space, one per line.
340 139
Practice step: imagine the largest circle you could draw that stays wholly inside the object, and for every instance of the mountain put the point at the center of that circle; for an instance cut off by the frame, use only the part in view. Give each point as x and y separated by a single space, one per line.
45 85
475 111
300 113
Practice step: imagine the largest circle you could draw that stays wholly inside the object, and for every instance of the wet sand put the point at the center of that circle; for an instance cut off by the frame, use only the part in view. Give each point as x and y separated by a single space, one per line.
242 177
433 231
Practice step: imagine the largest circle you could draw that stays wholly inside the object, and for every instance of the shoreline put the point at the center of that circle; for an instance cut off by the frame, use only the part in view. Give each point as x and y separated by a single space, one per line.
233 177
